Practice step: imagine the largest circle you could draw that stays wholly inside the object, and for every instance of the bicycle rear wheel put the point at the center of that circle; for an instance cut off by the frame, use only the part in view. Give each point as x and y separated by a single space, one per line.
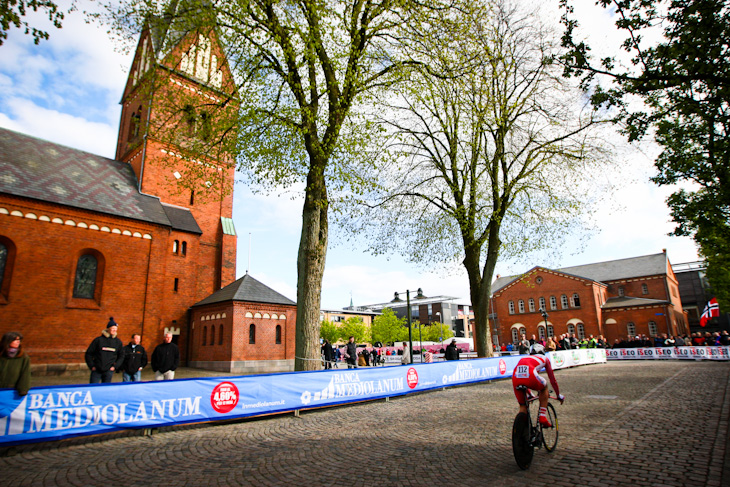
550 435
521 445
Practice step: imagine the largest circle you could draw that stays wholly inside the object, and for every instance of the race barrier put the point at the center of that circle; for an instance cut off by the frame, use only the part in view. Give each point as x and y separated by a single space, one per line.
582 356
686 353
58 412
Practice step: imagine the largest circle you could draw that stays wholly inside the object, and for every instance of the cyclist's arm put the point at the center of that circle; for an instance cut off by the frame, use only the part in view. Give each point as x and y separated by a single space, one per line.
551 376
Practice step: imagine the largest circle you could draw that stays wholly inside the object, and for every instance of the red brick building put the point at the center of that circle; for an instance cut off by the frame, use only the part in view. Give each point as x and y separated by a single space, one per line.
83 237
615 299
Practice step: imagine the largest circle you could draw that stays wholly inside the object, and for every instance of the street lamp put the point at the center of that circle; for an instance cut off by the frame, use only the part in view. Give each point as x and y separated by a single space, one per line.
441 328
545 317
408 316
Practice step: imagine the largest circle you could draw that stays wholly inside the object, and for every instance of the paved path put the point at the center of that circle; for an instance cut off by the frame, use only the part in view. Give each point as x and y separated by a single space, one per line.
624 423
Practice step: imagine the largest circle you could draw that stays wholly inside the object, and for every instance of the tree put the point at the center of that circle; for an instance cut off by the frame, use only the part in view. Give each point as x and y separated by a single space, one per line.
12 13
329 331
304 69
683 79
354 327
387 328
437 332
495 145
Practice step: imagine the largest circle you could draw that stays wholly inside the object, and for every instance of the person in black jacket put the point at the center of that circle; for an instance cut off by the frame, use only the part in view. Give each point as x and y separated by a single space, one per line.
135 359
328 354
105 354
452 352
351 353
165 359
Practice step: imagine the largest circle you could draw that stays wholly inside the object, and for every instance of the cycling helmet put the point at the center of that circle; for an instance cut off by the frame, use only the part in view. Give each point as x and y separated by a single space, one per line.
537 348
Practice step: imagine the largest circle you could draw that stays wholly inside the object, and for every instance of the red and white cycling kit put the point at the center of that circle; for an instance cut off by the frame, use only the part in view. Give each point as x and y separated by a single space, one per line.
527 373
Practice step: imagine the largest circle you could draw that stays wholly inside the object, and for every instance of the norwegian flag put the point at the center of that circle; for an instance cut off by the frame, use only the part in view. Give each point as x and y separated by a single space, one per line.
711 310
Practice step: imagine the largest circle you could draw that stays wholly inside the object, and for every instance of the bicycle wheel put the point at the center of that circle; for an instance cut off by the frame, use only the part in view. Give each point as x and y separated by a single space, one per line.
550 435
521 445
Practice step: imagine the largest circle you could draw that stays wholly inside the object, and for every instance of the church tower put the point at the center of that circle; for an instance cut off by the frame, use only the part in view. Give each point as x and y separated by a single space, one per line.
176 104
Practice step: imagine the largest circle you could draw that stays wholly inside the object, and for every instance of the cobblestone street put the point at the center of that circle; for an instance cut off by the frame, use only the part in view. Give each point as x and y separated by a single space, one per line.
623 423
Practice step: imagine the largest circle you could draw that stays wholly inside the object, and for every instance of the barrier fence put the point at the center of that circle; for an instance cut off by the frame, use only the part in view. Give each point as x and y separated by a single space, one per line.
58 412
687 353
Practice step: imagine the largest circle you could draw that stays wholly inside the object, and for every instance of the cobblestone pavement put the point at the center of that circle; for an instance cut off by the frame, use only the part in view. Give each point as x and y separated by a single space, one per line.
624 423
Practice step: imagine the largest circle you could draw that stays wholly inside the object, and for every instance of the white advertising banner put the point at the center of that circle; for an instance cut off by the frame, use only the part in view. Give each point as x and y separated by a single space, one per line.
582 356
685 353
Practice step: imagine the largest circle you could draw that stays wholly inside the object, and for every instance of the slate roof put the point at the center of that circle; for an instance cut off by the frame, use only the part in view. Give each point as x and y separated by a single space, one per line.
645 265
625 302
41 170
247 289
181 219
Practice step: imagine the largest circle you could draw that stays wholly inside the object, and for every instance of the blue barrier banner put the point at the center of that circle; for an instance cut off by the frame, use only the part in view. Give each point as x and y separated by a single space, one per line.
51 413
686 353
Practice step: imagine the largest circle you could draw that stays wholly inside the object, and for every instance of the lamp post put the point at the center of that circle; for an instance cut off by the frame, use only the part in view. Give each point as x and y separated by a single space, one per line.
408 317
441 328
545 317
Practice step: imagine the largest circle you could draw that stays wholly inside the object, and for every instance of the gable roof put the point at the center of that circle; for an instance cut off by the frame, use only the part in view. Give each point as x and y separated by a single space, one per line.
247 289
645 265
42 170
181 219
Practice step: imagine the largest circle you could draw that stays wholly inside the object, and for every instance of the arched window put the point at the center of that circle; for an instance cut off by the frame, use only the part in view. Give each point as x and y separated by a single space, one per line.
531 304
184 248
205 334
576 300
542 303
278 334
581 331
631 329
175 246
523 331
550 331
135 124
653 331
3 261
644 289
541 332
515 335
212 334
252 333
564 301
553 303
571 329
85 281
7 259
220 335
521 306
511 307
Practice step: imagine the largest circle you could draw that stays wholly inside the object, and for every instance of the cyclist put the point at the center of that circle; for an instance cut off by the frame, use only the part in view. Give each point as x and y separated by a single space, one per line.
527 373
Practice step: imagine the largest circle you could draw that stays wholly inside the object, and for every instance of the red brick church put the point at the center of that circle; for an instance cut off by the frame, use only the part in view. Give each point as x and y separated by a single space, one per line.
144 237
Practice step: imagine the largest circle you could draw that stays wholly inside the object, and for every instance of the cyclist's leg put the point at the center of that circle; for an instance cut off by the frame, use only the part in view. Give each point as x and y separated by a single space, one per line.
520 394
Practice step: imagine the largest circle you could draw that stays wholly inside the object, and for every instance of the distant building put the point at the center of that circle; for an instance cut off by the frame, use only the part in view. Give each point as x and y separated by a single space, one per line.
695 291
616 299
427 310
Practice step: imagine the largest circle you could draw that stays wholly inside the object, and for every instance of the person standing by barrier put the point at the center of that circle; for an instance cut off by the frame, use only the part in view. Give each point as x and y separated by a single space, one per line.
135 359
451 351
351 353
165 359
14 364
328 354
105 354
406 358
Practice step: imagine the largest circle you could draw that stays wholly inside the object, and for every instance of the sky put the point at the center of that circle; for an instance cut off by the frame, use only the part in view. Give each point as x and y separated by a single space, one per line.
67 90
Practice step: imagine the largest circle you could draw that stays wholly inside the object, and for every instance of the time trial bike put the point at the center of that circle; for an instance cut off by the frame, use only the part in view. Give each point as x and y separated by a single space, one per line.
526 436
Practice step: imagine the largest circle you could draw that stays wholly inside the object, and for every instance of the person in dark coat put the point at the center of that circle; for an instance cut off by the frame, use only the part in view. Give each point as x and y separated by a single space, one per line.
351 353
14 364
328 353
165 359
105 354
452 352
135 359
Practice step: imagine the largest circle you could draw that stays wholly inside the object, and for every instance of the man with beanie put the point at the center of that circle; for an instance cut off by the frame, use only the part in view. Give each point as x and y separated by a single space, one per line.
105 354
135 359
165 359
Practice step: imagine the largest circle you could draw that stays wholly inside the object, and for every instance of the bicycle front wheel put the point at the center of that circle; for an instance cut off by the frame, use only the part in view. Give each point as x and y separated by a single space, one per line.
521 445
550 435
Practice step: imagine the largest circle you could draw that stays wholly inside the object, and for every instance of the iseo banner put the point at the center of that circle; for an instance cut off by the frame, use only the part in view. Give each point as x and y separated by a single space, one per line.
689 353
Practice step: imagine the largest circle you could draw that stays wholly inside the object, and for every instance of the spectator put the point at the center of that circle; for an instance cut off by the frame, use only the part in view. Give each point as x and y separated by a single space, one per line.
523 346
709 339
165 359
351 353
366 357
669 341
105 354
601 343
724 338
697 339
406 358
509 347
679 341
451 351
551 345
361 362
328 353
566 344
14 364
374 356
135 359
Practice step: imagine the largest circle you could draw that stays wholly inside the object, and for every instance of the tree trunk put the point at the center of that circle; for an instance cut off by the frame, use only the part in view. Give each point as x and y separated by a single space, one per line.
310 269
